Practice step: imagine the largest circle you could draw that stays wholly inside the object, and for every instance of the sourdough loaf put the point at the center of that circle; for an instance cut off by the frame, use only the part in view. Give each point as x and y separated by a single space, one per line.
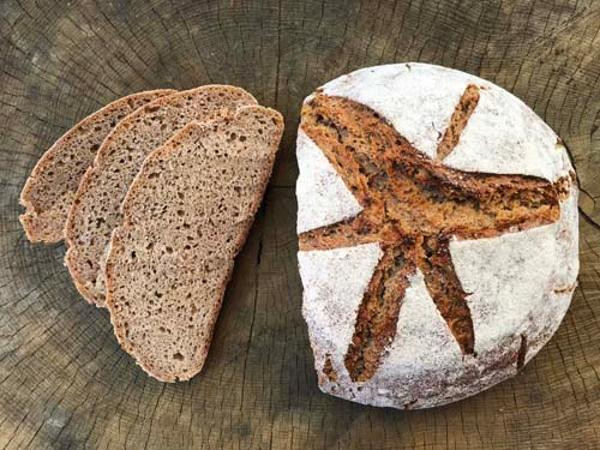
48 192
185 217
437 222
95 212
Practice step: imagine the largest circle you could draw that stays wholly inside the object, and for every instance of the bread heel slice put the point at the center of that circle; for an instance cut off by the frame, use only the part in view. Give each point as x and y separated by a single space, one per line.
50 189
185 218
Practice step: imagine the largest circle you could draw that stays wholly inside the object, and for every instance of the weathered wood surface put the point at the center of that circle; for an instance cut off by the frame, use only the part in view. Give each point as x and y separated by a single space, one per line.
63 380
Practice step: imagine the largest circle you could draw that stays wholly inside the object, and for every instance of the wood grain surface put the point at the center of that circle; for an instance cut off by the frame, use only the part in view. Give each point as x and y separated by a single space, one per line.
64 382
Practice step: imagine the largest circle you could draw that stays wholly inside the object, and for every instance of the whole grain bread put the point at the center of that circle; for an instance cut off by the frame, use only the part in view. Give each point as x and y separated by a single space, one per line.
49 191
185 217
437 230
96 208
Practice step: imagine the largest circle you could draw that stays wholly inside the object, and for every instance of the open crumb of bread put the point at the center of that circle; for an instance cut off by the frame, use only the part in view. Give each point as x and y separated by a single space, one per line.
50 189
96 206
185 217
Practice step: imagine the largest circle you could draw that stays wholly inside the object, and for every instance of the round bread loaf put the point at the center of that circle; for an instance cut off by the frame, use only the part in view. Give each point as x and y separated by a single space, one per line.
437 222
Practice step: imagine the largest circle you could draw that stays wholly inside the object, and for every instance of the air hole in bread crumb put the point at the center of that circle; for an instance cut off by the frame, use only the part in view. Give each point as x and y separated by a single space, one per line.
180 212
178 356
168 249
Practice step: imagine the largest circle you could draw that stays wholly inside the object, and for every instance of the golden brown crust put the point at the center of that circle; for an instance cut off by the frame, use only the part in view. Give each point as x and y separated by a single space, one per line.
378 313
465 107
409 198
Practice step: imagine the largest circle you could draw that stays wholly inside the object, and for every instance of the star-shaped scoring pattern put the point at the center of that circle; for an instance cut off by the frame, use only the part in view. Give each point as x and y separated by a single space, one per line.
412 206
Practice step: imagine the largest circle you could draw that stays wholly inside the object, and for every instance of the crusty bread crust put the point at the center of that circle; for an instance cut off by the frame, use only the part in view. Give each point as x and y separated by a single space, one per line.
189 208
49 191
461 259
95 210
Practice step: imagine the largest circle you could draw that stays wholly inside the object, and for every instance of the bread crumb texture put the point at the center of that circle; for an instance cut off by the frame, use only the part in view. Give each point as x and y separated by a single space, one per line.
96 207
185 218
433 266
50 189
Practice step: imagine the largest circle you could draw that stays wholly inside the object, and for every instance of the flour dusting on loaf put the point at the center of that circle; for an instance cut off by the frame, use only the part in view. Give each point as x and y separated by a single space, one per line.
332 201
418 100
331 306
469 200
408 95
530 148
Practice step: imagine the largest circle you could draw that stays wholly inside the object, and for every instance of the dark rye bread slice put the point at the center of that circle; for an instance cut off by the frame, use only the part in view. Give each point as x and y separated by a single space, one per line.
185 217
96 209
49 191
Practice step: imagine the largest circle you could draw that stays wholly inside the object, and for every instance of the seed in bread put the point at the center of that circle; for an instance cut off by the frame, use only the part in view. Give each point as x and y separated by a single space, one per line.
185 217
49 191
448 256
95 212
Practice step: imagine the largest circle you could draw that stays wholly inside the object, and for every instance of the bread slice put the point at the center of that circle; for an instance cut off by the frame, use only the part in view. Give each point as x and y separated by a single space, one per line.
185 217
49 191
95 212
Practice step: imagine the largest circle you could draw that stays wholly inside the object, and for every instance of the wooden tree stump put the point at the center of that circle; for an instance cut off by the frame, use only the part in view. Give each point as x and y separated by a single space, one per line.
64 382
